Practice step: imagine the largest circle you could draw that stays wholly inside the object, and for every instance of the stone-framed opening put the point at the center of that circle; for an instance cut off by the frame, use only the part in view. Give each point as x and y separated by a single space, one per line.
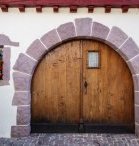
81 28
6 53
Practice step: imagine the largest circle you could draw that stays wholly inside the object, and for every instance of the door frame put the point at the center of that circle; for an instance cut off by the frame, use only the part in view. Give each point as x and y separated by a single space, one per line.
81 28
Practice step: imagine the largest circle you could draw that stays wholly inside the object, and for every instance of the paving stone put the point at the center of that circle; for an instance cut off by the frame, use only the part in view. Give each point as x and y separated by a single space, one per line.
72 140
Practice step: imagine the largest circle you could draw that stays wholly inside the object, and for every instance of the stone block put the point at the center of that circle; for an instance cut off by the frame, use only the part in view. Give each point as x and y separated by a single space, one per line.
25 64
66 31
36 50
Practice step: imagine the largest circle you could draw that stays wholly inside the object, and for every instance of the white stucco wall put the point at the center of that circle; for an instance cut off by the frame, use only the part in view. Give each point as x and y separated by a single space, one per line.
26 27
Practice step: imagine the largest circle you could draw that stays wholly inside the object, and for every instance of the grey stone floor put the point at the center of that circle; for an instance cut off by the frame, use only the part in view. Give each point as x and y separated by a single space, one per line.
73 140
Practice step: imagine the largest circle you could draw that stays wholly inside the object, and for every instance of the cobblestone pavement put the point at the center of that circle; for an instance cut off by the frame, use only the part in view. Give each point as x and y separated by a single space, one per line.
73 140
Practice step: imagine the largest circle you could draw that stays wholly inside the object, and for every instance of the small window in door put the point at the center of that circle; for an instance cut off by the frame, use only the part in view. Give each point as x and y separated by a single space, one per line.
93 59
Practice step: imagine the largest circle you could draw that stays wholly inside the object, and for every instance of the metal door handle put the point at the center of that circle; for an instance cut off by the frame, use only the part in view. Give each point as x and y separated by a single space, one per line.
85 85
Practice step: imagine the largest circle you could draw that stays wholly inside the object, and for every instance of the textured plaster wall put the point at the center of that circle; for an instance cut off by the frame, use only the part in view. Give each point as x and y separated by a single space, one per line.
26 27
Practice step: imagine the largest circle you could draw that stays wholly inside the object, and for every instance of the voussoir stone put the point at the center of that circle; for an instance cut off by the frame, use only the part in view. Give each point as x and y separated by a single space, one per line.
20 131
137 129
99 31
83 27
136 82
21 81
51 39
66 31
116 37
137 114
134 65
25 64
21 98
129 49
23 115
36 49
137 98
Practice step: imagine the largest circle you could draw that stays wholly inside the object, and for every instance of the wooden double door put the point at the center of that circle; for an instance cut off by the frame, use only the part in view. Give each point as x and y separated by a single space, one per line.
82 86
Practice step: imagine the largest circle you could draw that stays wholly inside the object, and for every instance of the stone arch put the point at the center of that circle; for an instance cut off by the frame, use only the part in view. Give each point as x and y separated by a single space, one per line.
80 28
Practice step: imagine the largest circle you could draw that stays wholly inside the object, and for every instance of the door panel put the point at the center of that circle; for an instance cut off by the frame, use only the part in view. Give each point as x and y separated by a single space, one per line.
67 94
56 86
109 97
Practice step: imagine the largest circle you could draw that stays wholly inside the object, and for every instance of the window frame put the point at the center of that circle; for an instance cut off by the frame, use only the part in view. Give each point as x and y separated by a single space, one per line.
99 59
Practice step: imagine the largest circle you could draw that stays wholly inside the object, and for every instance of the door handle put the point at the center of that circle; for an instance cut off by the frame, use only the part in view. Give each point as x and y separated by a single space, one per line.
85 85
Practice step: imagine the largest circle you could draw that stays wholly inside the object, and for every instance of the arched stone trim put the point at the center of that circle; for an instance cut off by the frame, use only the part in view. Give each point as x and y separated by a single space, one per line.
81 28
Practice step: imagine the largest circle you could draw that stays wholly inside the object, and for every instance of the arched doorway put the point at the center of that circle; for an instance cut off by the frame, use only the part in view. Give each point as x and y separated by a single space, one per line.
82 86
80 28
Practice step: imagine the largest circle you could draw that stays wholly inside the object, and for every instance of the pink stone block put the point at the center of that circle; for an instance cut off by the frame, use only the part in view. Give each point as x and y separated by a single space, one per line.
23 115
83 27
66 31
137 129
134 65
51 39
99 31
36 50
136 114
129 49
21 98
3 83
20 131
137 98
6 64
25 64
116 37
5 40
136 83
21 81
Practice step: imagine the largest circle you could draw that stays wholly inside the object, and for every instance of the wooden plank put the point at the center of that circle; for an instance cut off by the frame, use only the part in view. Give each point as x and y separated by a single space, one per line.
67 3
